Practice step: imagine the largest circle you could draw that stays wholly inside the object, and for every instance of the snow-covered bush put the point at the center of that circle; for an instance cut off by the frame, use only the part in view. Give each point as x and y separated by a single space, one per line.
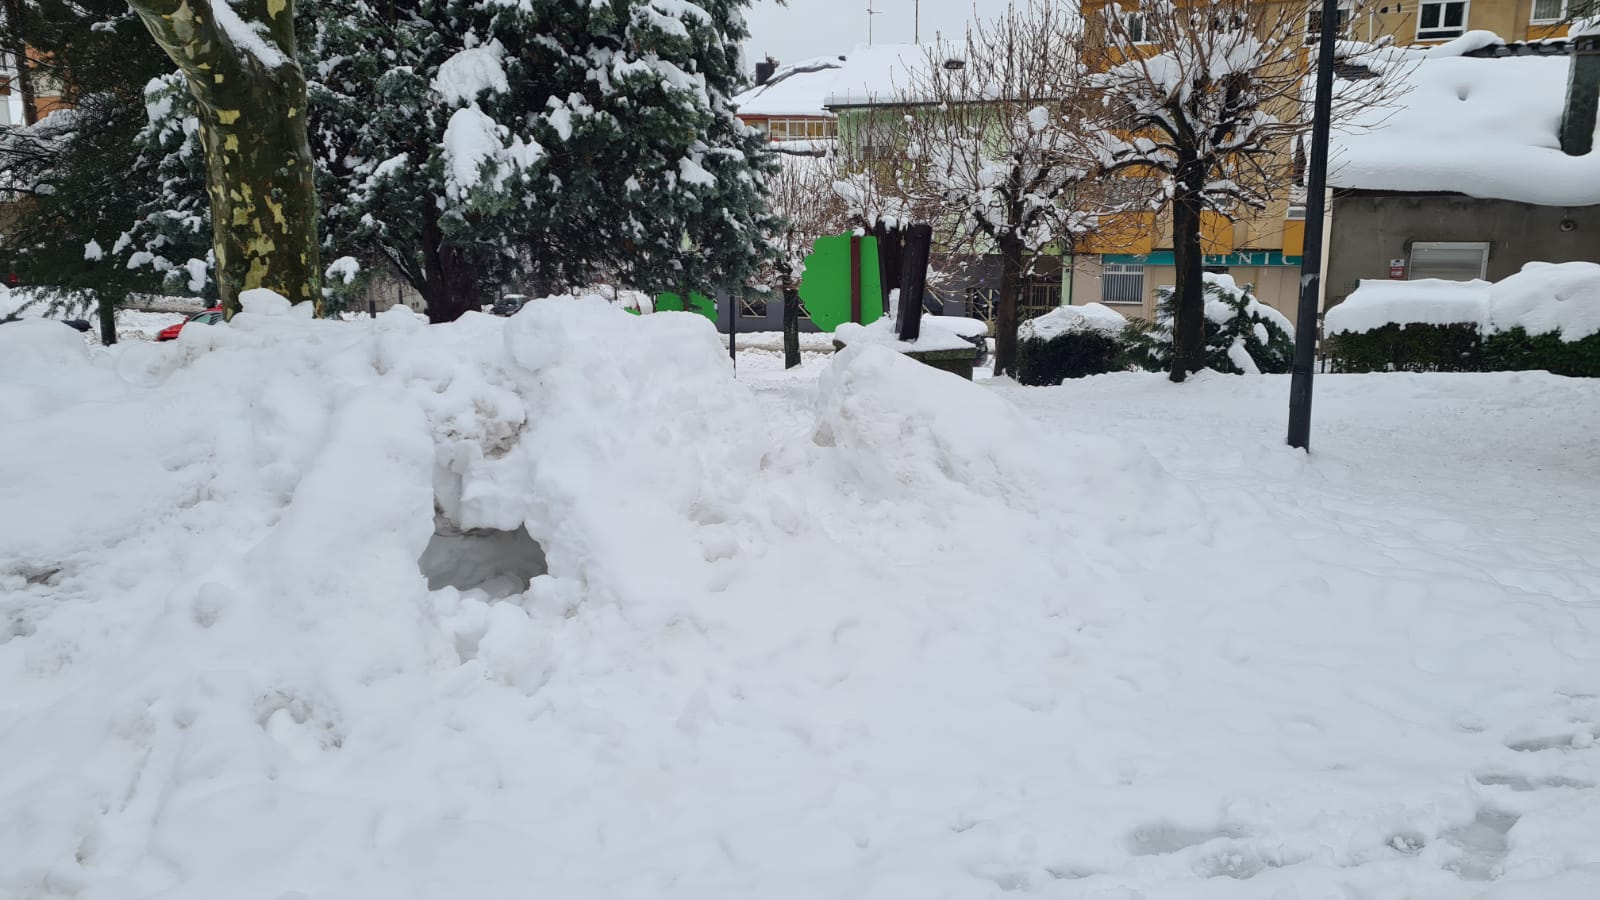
1545 317
1243 335
1070 342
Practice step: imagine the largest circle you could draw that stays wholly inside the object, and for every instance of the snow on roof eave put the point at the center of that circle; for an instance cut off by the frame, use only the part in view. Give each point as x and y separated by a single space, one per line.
1476 126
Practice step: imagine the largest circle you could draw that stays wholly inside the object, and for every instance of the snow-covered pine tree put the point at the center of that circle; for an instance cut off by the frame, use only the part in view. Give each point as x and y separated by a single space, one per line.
545 142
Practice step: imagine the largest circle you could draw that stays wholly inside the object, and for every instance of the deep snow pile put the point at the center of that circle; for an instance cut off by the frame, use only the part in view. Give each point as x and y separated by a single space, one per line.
1544 297
912 637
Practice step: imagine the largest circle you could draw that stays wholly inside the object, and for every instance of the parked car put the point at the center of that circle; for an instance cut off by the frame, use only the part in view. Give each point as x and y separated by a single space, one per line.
509 304
209 317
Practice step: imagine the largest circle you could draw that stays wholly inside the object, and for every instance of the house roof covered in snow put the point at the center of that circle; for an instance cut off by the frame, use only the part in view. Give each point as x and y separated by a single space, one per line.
863 76
1484 127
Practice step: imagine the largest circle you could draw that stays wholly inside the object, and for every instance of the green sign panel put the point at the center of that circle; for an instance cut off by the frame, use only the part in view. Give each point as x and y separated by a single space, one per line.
825 284
698 303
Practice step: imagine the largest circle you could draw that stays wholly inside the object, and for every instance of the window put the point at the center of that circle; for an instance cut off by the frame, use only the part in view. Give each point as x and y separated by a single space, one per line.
1441 19
1449 260
1039 297
1133 23
801 129
1550 11
1314 24
752 307
1122 283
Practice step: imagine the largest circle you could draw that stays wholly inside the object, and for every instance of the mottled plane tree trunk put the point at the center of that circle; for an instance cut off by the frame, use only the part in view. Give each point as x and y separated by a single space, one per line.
240 64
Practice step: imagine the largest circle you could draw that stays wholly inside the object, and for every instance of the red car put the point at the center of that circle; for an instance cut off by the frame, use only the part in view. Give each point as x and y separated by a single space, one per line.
210 317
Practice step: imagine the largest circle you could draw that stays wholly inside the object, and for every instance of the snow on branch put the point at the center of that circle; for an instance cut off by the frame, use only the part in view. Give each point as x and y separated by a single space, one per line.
1211 98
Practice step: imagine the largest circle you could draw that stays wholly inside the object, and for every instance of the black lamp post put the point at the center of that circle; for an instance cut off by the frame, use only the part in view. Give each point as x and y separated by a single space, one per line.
1305 326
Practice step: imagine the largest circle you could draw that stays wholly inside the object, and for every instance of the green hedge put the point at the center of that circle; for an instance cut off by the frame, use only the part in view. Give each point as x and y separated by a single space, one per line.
1461 348
1075 354
1517 350
1407 348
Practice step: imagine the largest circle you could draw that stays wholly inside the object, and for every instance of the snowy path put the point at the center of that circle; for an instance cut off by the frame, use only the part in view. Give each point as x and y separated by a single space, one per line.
857 630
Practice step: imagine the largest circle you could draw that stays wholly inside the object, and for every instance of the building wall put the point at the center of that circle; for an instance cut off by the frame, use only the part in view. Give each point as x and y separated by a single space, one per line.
1369 230
1276 284
1511 19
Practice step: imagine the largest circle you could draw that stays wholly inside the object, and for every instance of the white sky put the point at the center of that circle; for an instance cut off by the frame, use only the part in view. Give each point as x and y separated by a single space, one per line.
807 28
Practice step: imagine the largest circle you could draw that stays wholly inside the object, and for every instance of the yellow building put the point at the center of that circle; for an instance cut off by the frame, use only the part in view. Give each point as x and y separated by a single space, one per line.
1130 258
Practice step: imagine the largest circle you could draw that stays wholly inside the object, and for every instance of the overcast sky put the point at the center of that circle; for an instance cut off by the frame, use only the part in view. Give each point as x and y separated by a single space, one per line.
807 28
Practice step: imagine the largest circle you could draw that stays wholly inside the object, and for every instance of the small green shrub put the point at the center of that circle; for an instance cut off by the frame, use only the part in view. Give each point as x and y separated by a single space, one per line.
1235 320
1407 348
1517 351
1074 354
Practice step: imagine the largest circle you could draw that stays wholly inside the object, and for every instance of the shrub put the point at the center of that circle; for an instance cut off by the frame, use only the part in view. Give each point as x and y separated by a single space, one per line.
1070 342
1243 335
1047 362
1516 350
1407 348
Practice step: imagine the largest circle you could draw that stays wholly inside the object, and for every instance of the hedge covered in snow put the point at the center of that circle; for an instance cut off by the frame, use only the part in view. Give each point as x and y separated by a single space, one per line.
1070 342
1545 317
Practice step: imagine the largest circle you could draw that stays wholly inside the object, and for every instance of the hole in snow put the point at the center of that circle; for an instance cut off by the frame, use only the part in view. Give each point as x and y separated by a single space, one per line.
499 563
1483 843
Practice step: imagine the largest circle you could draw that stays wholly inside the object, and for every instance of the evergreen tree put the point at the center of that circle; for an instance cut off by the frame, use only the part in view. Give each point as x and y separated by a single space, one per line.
556 143
86 227
463 145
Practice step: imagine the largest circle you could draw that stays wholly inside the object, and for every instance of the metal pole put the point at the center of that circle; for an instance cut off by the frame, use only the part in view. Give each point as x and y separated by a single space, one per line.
1305 328
733 329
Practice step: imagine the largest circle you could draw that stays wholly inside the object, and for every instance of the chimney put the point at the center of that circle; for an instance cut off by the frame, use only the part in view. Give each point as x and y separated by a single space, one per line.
764 70
1583 96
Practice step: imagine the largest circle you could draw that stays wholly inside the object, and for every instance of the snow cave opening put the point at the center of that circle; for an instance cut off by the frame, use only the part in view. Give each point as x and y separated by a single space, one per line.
498 562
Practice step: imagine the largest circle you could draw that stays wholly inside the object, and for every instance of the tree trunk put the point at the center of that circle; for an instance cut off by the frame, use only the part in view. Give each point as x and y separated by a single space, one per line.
450 279
253 128
913 279
1005 324
19 52
791 326
1189 323
891 245
106 309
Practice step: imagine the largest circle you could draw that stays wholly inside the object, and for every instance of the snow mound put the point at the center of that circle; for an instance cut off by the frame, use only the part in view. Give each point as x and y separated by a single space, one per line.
1542 298
1095 317
225 667
550 605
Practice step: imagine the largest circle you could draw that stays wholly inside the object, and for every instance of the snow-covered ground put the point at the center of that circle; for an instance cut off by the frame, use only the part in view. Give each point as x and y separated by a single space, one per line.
860 629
